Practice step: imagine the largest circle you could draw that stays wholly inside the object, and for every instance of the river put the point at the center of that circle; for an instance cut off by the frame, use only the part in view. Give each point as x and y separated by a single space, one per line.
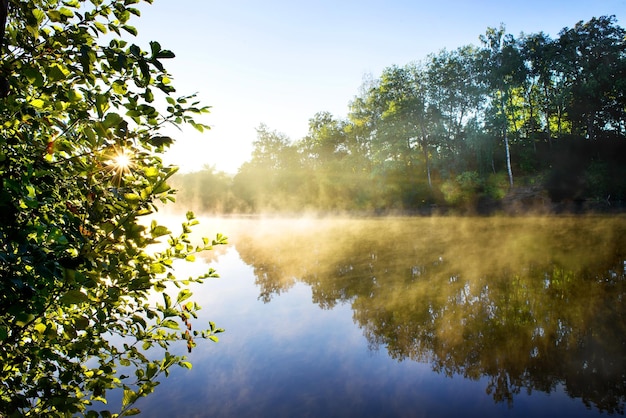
407 317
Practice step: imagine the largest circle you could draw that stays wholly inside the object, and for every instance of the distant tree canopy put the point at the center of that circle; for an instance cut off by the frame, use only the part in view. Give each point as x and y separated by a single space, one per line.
461 128
80 146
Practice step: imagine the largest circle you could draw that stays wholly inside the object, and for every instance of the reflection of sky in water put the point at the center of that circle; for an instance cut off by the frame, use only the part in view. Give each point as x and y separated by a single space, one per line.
289 358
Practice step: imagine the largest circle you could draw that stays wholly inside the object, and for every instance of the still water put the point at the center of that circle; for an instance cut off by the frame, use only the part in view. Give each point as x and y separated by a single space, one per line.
408 317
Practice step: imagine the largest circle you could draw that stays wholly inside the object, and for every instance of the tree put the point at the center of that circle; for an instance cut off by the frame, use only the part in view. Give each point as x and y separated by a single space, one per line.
456 92
504 72
79 171
540 53
395 109
592 65
207 190
270 180
326 140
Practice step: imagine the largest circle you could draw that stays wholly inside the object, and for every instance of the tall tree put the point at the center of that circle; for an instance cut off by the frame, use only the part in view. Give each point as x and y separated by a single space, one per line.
456 92
326 140
504 72
593 65
540 54
396 109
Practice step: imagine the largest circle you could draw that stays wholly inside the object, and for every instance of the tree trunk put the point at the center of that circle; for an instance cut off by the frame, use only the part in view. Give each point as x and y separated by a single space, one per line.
547 113
426 158
508 158
430 184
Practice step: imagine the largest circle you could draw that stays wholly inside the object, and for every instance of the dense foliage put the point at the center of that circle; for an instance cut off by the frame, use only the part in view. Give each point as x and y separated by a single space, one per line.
527 116
80 122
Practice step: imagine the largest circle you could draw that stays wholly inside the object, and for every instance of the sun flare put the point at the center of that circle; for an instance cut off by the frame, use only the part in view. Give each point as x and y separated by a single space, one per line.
120 164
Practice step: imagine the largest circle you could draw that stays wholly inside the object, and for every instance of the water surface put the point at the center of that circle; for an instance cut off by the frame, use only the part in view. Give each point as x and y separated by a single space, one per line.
409 317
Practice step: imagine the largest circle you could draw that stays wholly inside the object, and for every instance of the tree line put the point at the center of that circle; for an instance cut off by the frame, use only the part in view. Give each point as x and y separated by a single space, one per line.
534 117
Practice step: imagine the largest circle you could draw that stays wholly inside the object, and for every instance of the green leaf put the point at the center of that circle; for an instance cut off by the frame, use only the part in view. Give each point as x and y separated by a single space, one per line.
112 119
57 72
34 76
159 231
54 15
168 300
132 197
73 297
130 29
151 370
135 51
38 103
131 411
129 397
170 323
151 172
183 295
161 141
102 104
64 11
81 323
165 54
119 87
100 27
161 188
155 47
39 15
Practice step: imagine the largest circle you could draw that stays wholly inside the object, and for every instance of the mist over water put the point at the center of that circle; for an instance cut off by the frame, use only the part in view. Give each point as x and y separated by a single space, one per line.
437 316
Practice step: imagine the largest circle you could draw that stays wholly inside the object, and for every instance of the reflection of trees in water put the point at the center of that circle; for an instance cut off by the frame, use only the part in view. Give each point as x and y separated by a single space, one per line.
527 303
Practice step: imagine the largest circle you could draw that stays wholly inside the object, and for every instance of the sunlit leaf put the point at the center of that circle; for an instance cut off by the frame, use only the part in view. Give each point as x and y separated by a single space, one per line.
37 103
183 295
159 231
157 268
171 324
129 397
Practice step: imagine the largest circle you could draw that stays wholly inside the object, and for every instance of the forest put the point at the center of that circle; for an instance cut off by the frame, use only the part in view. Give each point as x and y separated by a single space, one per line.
517 123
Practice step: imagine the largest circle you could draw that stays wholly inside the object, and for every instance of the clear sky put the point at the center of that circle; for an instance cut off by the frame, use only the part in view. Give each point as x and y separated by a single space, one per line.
278 62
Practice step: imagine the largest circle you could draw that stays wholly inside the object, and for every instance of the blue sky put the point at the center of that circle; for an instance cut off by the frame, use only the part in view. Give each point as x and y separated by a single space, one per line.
279 62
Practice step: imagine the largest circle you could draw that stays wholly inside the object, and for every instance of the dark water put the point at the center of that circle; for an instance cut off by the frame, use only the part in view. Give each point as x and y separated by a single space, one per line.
432 317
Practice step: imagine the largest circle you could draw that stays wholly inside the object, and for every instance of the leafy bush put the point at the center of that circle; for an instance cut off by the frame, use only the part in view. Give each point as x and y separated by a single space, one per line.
461 190
79 168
